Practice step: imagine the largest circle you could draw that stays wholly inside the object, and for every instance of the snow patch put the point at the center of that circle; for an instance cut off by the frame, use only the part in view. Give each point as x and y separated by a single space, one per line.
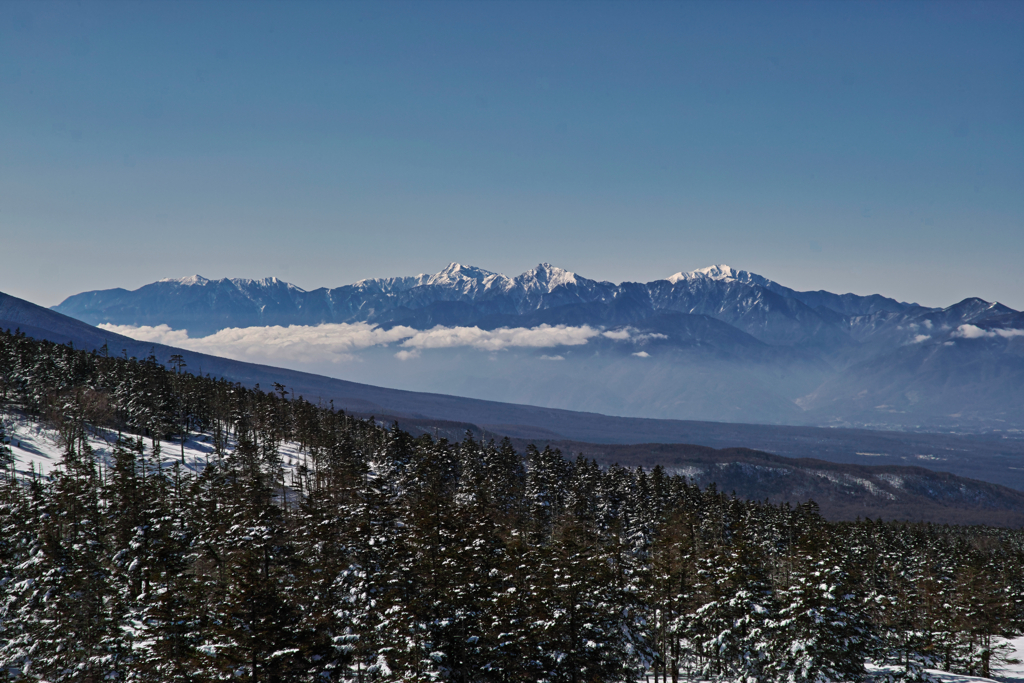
893 480
851 480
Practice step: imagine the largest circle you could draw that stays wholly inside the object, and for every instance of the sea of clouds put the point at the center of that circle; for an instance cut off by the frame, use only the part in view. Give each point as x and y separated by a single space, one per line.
340 342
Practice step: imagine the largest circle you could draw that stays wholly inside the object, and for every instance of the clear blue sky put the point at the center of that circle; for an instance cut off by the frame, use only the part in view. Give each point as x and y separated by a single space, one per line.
850 146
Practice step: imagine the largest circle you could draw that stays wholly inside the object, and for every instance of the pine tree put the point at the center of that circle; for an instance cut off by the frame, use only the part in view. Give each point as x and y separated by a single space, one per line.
74 630
670 591
586 629
21 514
730 627
7 462
257 623
819 632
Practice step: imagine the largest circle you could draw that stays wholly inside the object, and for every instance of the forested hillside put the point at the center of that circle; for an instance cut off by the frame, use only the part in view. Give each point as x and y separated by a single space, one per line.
384 557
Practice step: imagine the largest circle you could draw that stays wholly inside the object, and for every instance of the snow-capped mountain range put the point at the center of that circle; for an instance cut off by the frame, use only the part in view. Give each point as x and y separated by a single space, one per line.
719 343
737 297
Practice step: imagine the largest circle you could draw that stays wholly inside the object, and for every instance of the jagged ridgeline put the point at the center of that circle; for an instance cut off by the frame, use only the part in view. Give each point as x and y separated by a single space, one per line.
380 556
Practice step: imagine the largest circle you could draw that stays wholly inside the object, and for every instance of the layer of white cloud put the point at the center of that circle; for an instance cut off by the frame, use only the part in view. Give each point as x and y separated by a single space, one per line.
297 343
339 342
542 337
975 332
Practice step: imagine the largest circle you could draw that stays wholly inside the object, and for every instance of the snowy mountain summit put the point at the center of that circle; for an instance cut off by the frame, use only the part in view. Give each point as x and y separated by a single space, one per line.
457 273
466 280
546 277
189 281
237 282
722 273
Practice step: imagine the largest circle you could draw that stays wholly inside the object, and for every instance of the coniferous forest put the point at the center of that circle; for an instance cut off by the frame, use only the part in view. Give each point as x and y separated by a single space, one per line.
386 556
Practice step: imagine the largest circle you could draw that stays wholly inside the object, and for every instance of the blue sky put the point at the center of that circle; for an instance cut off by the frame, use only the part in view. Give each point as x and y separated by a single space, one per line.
849 146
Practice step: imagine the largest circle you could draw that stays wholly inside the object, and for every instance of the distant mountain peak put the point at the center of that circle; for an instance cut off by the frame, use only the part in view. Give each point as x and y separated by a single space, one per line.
721 272
455 272
187 281
547 276
718 272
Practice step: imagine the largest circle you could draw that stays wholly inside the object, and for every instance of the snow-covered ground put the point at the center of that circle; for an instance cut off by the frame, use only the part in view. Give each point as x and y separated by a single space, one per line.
1011 673
1014 672
37 447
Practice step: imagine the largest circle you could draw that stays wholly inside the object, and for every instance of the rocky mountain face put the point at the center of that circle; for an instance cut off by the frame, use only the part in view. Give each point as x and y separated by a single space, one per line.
721 343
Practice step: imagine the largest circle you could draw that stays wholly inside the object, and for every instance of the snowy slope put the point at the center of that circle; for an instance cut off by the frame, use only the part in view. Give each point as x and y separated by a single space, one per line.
37 449
1012 672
